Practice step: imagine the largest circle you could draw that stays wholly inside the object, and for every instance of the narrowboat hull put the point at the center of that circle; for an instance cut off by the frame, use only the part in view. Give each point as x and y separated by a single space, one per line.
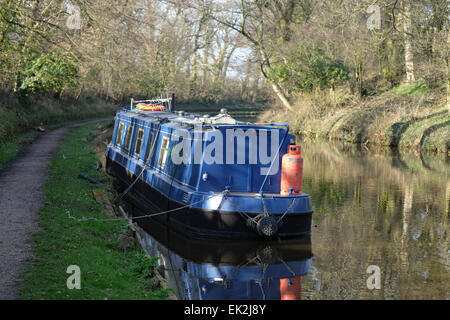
197 222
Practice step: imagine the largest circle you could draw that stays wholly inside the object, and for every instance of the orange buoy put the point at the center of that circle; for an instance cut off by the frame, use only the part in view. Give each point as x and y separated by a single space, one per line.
291 289
292 171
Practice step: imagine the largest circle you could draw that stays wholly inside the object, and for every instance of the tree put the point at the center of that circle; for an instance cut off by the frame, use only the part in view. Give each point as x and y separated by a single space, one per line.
265 24
407 29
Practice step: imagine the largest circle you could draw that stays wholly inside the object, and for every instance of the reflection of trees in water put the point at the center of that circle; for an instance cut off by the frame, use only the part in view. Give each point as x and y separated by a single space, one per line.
406 215
444 247
370 210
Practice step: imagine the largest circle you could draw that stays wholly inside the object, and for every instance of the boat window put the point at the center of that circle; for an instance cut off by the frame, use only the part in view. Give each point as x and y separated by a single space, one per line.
163 152
149 146
119 134
139 138
129 135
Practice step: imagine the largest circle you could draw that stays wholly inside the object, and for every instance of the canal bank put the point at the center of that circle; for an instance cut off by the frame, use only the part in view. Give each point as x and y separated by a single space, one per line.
111 266
407 117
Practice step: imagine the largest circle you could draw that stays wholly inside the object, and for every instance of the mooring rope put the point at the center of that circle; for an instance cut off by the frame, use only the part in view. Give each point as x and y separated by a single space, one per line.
148 215
223 193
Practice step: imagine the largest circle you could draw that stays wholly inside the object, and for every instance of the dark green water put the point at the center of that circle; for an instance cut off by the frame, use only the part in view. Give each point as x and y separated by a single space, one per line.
381 209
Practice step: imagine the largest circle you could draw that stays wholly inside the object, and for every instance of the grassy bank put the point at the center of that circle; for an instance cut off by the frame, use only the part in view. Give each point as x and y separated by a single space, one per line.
16 118
17 122
9 150
108 271
407 116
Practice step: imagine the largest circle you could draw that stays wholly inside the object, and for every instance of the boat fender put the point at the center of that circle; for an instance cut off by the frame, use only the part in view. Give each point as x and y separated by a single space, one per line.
267 226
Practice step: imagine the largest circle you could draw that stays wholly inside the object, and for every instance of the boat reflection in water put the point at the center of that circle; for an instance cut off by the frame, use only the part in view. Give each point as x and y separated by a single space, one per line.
209 270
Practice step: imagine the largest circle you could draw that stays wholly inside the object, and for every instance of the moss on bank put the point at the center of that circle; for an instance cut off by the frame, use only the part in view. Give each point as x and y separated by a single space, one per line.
107 270
408 117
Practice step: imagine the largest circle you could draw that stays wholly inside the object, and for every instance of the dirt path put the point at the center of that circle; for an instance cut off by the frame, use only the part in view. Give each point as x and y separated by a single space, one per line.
21 198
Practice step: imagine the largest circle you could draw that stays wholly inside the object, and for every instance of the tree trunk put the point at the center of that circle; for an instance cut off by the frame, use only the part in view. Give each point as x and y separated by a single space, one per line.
448 89
275 86
409 55
278 91
448 70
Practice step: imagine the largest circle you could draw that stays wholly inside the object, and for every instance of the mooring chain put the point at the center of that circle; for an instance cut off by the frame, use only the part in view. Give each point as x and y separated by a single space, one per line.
287 210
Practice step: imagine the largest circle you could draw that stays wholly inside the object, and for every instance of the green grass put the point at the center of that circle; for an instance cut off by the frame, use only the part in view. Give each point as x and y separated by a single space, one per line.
10 150
422 132
15 133
16 119
107 272
416 88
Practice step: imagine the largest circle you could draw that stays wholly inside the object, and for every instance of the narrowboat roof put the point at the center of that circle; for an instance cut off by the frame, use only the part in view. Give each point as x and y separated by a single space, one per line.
191 119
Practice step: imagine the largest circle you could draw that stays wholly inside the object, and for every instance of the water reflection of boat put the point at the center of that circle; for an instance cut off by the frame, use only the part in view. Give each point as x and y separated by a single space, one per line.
228 270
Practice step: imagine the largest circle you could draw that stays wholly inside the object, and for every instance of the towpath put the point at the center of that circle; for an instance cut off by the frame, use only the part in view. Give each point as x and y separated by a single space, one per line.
21 198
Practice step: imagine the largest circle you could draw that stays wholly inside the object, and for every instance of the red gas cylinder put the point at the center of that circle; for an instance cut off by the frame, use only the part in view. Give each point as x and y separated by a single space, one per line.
292 171
291 289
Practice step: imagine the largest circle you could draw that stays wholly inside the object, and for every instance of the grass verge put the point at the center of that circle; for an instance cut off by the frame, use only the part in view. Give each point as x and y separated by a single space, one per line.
107 271
17 118
9 150
17 124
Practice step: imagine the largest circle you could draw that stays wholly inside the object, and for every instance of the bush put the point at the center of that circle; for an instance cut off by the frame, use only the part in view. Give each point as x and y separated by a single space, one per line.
49 72
308 69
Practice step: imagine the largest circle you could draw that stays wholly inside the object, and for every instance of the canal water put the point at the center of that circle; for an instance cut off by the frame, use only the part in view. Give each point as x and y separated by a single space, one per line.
380 231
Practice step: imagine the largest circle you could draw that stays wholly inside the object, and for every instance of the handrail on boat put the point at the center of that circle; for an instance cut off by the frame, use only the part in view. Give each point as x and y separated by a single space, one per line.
168 102
150 101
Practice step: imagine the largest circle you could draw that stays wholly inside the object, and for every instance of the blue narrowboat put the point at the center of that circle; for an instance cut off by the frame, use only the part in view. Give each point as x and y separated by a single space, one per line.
208 176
